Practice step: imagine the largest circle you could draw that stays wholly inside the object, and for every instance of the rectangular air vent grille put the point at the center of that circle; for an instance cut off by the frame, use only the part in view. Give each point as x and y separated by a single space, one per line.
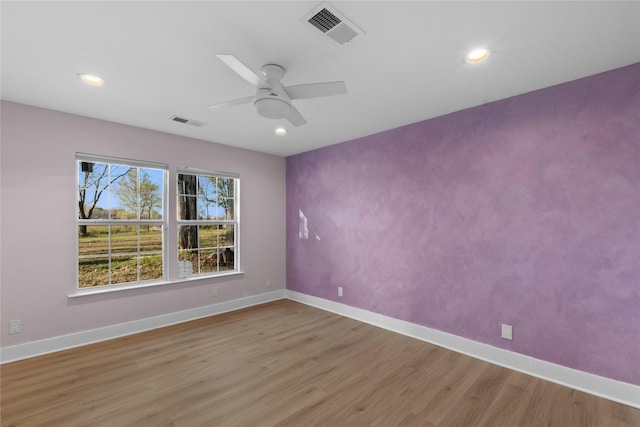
324 20
332 24
194 123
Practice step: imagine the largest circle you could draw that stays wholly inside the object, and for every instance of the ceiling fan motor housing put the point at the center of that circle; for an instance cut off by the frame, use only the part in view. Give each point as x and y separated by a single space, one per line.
272 104
272 72
272 100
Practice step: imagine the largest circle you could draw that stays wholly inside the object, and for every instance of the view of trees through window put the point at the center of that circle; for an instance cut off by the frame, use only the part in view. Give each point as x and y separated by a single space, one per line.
207 222
120 223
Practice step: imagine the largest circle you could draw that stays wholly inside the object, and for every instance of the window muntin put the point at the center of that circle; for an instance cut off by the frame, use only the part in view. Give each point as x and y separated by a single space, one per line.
207 222
121 221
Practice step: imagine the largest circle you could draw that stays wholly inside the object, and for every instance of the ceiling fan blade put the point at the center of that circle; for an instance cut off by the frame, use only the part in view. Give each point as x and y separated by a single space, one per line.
242 70
295 118
316 90
233 102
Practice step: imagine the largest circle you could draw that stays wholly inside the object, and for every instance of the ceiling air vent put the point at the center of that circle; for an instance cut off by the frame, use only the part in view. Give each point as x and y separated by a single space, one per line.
331 23
194 123
324 20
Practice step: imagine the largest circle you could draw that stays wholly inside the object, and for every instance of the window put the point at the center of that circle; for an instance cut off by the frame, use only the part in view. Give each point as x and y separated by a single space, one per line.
207 212
121 221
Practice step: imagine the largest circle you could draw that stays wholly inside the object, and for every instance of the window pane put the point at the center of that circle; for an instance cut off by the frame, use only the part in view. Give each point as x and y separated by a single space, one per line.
93 272
187 237
187 207
92 175
150 196
208 261
123 200
124 238
226 187
151 267
207 187
150 206
150 238
119 173
226 259
93 239
93 181
208 236
187 184
206 208
124 269
219 213
155 176
227 206
117 209
192 257
92 204
226 236
188 256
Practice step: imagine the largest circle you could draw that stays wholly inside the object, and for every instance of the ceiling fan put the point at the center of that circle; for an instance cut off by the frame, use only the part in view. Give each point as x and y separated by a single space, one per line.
273 100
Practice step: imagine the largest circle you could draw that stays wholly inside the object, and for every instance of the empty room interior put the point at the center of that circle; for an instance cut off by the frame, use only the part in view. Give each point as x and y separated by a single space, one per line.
306 213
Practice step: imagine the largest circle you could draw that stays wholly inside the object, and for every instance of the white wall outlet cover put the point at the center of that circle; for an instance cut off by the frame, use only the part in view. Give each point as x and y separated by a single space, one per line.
15 327
507 332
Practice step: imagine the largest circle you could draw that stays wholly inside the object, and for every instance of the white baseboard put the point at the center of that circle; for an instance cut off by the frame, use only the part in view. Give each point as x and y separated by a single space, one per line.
64 342
617 391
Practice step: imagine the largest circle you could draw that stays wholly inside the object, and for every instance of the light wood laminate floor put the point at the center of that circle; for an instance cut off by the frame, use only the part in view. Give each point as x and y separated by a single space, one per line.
285 364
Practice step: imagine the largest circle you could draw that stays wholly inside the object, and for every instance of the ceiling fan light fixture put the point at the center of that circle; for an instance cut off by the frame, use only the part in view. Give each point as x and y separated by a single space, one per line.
280 131
477 55
272 108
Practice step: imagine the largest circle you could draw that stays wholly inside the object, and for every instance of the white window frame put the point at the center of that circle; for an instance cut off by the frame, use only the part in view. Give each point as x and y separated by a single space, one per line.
163 223
186 271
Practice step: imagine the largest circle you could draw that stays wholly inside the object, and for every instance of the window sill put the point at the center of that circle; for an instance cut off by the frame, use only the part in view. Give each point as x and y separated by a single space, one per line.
119 288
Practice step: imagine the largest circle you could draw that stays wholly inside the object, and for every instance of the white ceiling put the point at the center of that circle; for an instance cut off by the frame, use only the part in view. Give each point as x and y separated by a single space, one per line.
159 60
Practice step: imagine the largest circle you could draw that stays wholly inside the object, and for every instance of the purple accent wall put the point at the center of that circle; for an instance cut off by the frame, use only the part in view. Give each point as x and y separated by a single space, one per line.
523 211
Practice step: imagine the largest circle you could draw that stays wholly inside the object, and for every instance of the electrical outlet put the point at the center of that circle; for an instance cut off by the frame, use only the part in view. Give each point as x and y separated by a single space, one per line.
267 283
339 291
507 332
15 327
214 291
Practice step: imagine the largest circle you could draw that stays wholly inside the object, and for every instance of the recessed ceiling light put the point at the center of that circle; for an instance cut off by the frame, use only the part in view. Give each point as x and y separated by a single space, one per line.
92 80
477 55
281 131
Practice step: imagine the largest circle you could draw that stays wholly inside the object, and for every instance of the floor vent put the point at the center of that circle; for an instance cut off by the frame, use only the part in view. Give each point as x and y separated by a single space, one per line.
331 23
194 123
